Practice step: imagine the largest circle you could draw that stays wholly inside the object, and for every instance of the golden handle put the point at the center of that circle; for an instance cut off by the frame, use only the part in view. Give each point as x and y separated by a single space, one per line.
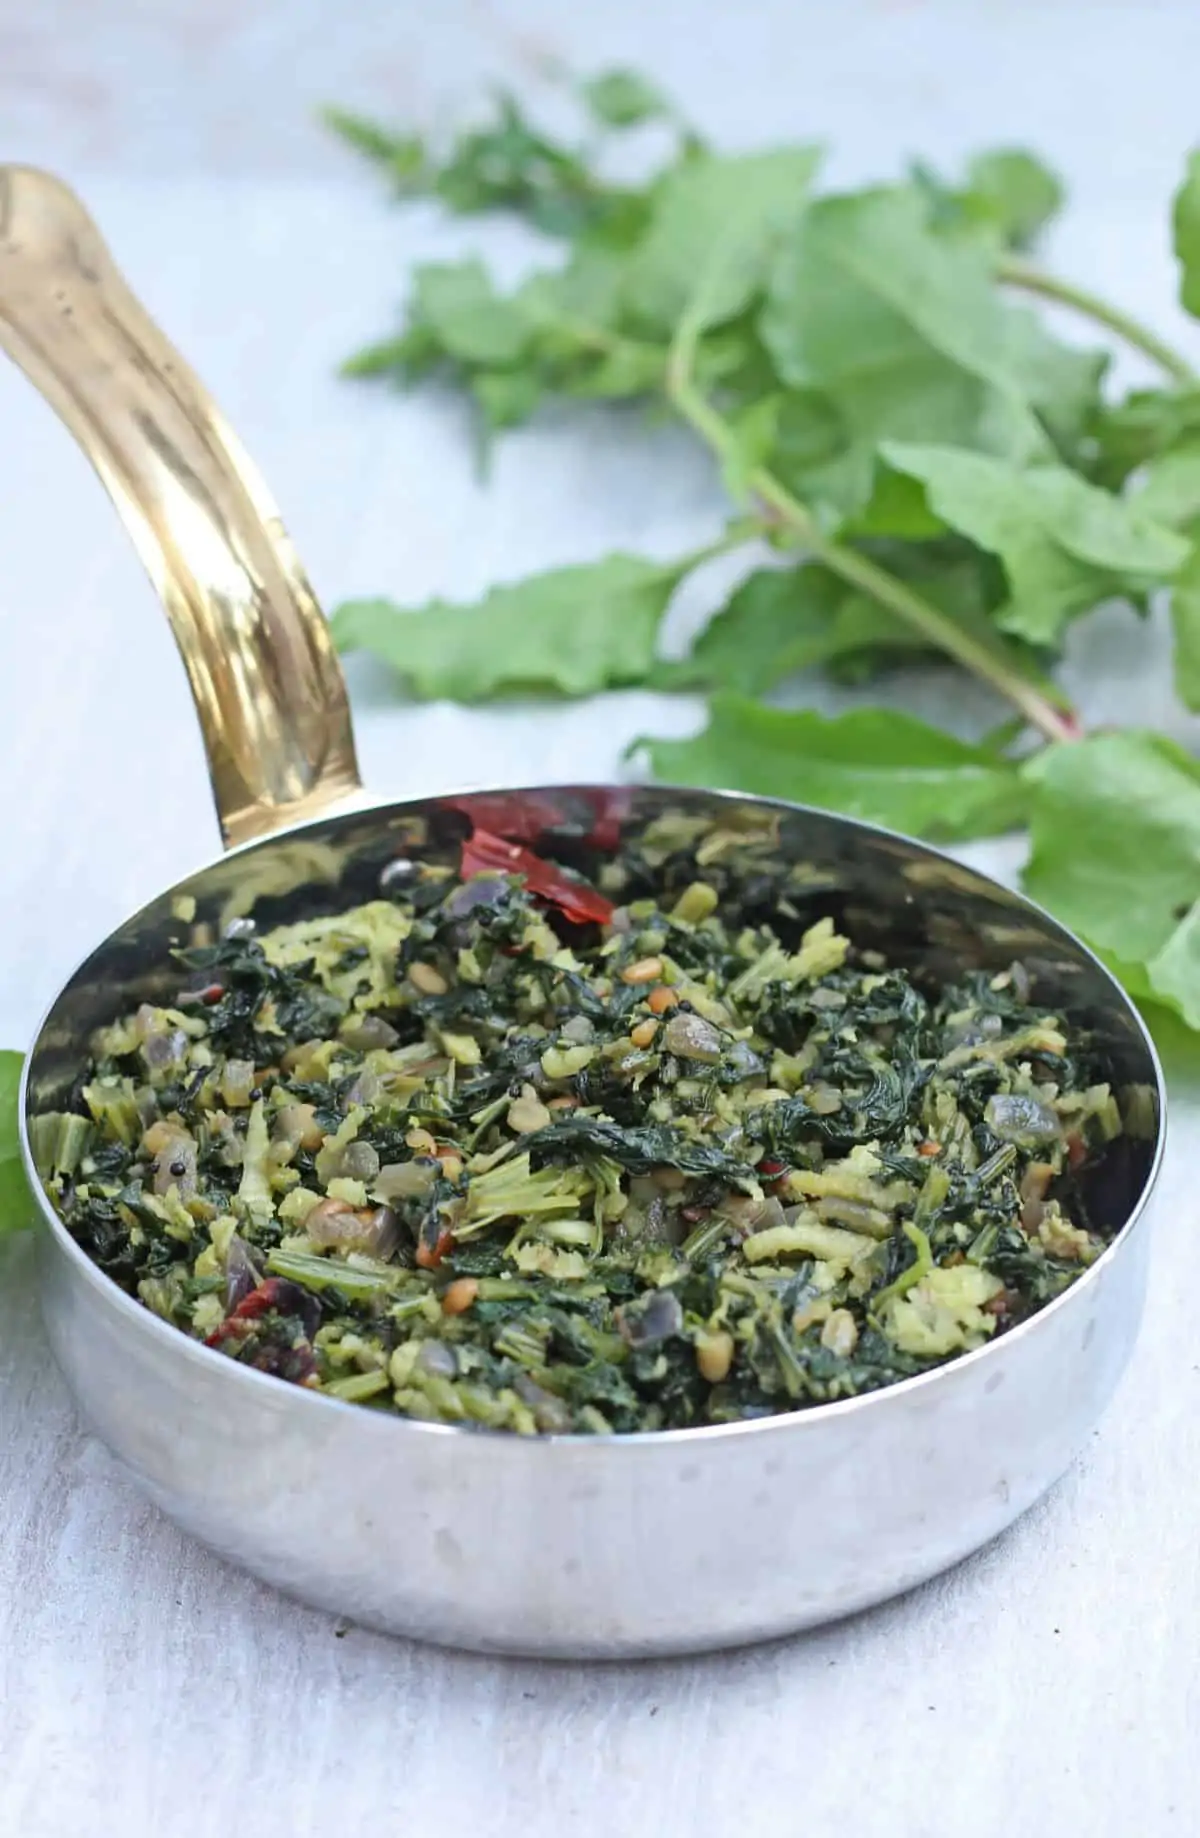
265 678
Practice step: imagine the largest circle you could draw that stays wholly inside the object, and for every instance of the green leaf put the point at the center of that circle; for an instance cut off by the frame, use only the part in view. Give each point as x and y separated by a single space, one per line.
1006 199
875 764
16 1201
1016 191
583 297
627 370
865 286
866 293
714 227
623 99
509 165
827 444
1185 623
1063 544
572 631
896 508
578 342
1127 435
753 431
505 398
402 155
1185 226
730 362
457 303
1169 490
1116 856
409 355
559 334
779 622
1062 382
886 331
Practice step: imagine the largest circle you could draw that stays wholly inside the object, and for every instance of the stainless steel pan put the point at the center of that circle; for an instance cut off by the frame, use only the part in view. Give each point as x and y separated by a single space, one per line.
570 1546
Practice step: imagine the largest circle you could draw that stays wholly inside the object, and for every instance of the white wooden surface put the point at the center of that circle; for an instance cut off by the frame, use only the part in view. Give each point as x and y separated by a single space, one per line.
1051 1683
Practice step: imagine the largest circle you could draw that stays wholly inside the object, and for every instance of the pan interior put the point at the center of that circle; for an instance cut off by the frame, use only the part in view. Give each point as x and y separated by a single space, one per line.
924 912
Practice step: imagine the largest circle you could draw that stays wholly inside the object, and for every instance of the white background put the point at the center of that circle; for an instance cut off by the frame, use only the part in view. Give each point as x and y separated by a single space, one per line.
1051 1683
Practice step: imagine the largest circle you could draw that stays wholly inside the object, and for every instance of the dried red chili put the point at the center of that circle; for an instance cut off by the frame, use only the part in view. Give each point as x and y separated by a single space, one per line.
526 816
248 1309
484 853
519 816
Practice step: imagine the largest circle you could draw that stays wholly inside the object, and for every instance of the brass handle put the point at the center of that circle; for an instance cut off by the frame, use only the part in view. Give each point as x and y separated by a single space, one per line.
265 678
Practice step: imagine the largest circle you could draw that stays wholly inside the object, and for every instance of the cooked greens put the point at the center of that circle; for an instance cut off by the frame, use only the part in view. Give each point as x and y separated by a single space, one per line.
493 1150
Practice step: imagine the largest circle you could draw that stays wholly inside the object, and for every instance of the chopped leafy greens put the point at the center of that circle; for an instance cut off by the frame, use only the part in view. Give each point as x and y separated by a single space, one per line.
464 1155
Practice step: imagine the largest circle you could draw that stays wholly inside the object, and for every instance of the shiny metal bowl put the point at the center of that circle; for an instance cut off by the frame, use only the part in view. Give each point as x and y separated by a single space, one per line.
570 1546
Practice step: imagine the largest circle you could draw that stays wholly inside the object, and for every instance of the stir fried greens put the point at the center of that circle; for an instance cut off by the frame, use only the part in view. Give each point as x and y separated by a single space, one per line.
493 1150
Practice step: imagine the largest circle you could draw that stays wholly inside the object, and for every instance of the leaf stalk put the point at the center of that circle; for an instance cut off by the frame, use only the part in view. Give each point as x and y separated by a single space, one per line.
850 565
1015 272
